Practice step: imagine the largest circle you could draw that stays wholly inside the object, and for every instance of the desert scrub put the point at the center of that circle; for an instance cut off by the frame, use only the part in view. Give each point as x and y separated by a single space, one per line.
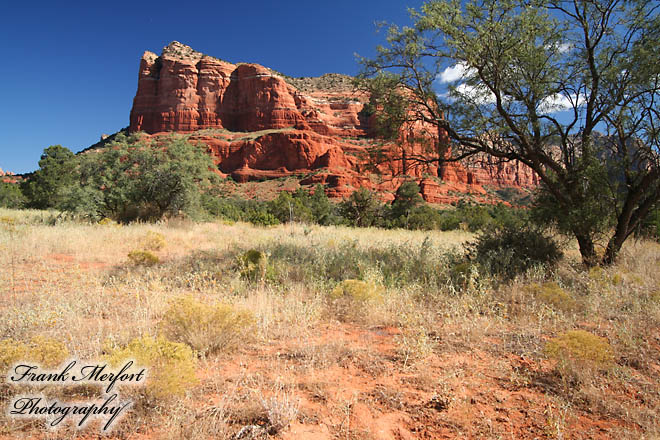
143 258
206 328
45 351
464 277
105 221
170 366
351 299
254 266
552 295
511 251
578 348
413 345
153 241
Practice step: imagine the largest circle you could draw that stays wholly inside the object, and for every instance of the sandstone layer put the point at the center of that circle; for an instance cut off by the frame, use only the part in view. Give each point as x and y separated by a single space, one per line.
260 124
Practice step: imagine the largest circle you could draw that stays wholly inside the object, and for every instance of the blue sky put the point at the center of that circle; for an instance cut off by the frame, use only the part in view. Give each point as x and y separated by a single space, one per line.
68 70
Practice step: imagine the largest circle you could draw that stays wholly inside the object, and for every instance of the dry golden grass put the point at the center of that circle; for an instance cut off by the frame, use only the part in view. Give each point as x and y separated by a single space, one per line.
303 366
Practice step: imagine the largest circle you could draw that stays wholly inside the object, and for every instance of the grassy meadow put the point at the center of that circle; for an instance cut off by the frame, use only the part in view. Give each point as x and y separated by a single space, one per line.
305 331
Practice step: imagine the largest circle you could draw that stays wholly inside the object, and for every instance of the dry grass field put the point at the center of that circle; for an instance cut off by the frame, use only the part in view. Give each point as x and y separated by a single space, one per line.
299 332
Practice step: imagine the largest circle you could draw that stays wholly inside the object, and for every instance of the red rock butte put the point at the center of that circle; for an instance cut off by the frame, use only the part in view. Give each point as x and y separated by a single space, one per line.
260 124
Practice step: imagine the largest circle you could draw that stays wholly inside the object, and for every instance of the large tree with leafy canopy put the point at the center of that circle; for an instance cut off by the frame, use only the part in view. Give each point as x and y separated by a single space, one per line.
568 88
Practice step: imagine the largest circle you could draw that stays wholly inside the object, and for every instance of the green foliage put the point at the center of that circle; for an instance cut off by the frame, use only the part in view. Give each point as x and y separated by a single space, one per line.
425 218
47 187
509 251
133 180
406 199
206 328
11 196
651 225
386 103
505 68
362 208
291 207
143 258
170 366
261 217
254 266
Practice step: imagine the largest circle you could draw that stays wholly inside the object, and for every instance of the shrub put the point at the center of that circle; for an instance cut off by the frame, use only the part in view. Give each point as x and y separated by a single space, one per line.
510 251
406 199
362 208
11 196
414 345
553 295
356 290
464 275
424 218
170 365
11 351
45 188
261 217
580 346
206 328
105 221
254 266
153 241
351 299
143 258
135 179
45 351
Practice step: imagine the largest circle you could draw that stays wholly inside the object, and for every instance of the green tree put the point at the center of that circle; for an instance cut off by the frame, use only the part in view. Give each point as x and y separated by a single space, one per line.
511 66
45 188
406 199
134 180
11 196
362 208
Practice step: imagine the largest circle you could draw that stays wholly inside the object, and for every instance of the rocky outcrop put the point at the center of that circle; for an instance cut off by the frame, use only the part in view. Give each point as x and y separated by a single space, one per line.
260 124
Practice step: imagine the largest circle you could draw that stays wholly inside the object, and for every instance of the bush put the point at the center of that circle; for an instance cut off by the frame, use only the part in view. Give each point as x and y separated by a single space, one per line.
153 241
254 266
170 366
356 290
45 351
351 299
143 258
406 199
261 217
46 187
11 196
553 295
107 222
511 251
132 179
580 346
362 208
206 328
424 218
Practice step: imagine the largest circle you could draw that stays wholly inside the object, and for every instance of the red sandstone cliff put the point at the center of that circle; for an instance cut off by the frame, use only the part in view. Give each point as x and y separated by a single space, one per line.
260 124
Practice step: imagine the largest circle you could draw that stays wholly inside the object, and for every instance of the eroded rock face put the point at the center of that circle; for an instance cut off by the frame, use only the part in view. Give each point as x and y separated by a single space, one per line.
259 124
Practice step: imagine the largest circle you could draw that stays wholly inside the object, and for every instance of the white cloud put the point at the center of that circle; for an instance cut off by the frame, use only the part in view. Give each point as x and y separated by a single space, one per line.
480 95
564 47
453 73
558 102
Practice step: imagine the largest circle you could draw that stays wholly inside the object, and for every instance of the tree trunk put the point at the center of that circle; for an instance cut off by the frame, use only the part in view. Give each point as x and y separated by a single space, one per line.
587 250
613 248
